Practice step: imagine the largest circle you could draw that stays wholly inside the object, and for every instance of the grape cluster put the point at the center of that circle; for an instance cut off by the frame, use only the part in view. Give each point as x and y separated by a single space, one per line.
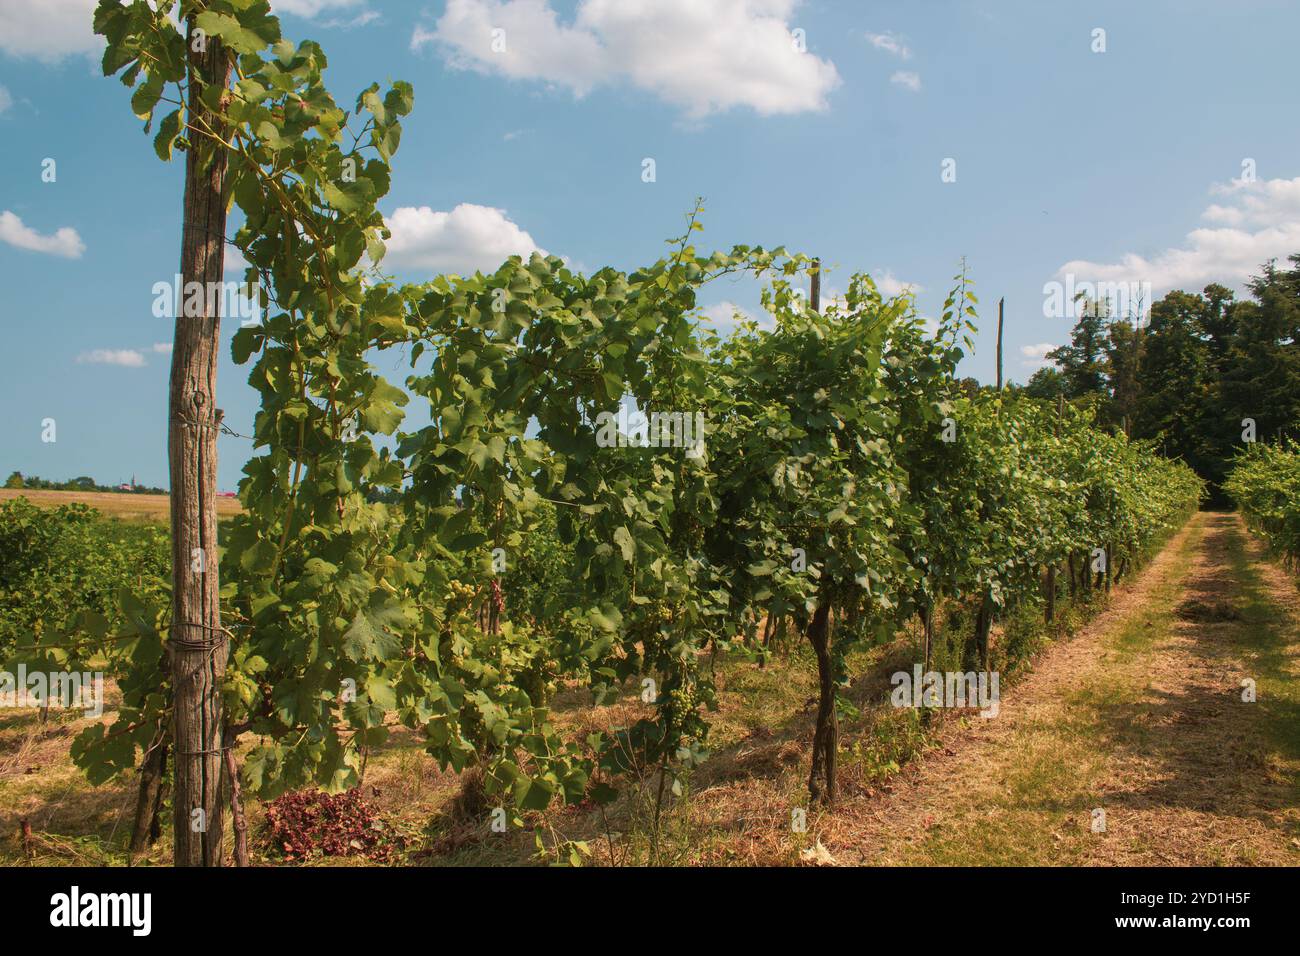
458 591
680 705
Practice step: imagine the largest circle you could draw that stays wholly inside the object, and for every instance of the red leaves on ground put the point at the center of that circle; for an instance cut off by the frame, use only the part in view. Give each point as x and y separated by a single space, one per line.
303 823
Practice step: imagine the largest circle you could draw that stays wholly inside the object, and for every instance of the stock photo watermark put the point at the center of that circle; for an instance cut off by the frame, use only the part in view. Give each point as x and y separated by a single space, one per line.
634 429
946 689
83 690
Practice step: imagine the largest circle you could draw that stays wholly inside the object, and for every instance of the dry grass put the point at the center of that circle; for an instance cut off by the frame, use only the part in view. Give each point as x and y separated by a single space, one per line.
123 505
70 821
1139 713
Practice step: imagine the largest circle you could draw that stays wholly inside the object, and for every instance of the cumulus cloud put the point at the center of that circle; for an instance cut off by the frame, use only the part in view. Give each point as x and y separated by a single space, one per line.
727 313
64 242
1035 356
467 239
352 13
311 8
162 348
891 43
1257 220
127 358
1268 202
48 29
234 261
531 43
907 80
891 286
704 58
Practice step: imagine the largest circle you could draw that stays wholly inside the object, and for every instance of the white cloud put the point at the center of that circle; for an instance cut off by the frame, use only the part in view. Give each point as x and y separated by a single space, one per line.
891 286
1035 356
64 242
310 8
907 79
467 239
162 348
48 29
704 58
537 46
127 358
6 100
727 313
235 261
1268 202
891 43
363 18
513 134
1260 221
52 29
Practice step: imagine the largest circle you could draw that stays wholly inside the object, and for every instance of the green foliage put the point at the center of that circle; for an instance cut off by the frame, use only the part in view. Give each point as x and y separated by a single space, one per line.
364 583
1082 362
58 562
1265 484
80 593
804 443
1203 364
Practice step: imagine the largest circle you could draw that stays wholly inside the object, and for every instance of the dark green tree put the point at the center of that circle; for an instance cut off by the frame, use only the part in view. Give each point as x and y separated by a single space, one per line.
1048 382
1083 361
1123 356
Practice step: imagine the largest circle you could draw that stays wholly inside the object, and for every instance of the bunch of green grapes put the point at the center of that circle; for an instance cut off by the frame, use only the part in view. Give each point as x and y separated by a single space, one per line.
458 592
678 706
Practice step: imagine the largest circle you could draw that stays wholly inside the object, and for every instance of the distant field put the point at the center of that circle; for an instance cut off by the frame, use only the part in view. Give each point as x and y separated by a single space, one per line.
128 507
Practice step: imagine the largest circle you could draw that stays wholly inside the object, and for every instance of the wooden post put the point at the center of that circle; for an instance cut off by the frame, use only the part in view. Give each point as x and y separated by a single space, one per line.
1001 302
197 642
815 296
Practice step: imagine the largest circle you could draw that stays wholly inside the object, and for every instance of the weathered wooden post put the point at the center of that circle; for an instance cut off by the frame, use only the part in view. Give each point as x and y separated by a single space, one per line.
1001 302
197 642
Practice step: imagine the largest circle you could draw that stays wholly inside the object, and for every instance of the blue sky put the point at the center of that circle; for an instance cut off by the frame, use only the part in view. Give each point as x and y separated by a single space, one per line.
1172 158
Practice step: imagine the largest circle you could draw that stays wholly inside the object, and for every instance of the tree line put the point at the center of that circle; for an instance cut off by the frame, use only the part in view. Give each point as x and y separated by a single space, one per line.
17 479
1203 375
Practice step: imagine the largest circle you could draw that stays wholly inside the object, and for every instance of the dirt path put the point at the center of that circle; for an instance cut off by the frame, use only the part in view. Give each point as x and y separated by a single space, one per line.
1140 716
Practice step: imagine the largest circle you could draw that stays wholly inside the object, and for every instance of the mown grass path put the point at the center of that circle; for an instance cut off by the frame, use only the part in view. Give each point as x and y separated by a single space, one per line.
1140 715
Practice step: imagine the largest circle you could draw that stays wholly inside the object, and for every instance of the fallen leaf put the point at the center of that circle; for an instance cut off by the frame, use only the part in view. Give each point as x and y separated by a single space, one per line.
818 855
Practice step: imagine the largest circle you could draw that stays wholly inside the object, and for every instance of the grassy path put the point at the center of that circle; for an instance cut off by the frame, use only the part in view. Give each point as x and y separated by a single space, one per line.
1140 715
